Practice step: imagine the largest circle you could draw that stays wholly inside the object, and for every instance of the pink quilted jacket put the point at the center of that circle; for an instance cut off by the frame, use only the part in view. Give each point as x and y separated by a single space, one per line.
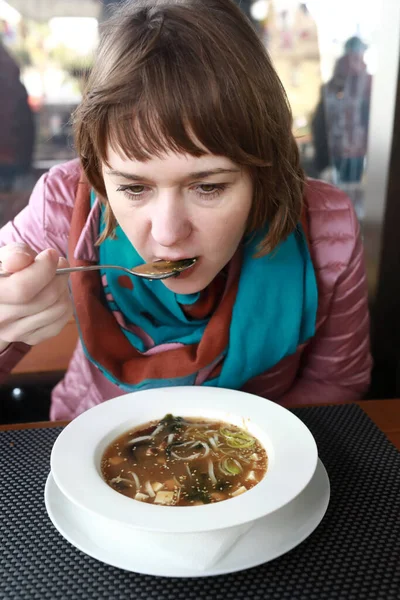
335 365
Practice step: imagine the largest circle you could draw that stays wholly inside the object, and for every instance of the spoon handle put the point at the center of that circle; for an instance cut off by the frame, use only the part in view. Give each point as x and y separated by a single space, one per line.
66 270
137 273
148 275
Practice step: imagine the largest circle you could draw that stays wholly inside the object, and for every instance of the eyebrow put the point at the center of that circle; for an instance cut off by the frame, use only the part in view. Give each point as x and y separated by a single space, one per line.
195 175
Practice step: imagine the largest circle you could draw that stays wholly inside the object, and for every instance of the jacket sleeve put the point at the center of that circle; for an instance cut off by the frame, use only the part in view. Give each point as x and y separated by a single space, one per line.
10 357
337 363
27 227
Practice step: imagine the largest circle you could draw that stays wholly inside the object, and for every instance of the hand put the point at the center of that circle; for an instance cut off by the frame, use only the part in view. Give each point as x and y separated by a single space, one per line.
34 301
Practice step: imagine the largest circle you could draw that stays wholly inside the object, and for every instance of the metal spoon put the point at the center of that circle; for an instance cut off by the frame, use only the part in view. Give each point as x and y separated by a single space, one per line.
161 269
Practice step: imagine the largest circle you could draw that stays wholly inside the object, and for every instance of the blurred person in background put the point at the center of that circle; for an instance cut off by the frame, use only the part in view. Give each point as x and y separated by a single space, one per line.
340 122
17 128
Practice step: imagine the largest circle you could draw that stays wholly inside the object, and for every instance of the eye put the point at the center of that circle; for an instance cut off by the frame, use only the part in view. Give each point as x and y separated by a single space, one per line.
210 190
207 188
133 191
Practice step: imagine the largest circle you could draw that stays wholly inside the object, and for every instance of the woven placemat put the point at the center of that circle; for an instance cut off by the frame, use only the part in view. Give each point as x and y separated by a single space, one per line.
353 555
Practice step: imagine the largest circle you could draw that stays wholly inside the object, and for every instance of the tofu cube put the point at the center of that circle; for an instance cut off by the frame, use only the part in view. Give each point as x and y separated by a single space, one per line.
141 497
156 486
239 491
251 476
164 498
217 496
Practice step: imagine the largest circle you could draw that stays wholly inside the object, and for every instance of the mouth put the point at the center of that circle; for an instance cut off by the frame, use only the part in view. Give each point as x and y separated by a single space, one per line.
183 268
188 270
174 259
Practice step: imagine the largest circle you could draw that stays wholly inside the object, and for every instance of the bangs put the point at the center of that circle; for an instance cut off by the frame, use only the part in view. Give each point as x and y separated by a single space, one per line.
143 132
179 105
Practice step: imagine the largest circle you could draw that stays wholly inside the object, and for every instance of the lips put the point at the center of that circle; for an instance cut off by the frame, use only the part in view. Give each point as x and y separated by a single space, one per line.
173 258
187 272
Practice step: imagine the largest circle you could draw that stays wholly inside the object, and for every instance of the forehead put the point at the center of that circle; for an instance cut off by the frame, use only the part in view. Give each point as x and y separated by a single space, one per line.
169 161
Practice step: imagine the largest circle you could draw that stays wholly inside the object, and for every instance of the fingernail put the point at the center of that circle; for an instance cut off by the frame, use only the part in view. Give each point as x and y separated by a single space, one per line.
49 252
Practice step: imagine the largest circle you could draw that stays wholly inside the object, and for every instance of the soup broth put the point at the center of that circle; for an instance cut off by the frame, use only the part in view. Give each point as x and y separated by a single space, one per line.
184 462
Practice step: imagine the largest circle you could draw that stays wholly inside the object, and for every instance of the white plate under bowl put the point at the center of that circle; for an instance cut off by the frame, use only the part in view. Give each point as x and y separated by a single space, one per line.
270 537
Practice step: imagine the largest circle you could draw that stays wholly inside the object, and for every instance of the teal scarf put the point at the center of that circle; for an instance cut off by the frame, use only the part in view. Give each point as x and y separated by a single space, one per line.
273 313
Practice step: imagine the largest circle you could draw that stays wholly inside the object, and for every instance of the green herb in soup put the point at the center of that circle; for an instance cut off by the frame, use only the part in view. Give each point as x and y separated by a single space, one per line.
184 462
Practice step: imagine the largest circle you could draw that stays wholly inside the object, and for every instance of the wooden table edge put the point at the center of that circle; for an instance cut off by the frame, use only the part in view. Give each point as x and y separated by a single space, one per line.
34 425
384 413
366 405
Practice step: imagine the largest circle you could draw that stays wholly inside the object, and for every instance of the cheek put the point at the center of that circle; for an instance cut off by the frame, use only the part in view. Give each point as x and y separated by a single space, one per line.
221 235
236 219
233 223
118 206
132 222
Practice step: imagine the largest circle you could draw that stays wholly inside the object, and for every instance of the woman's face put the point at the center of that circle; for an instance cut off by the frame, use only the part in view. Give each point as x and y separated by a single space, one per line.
180 206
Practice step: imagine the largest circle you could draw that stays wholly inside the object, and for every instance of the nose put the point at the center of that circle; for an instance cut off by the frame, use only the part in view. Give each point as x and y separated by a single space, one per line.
170 225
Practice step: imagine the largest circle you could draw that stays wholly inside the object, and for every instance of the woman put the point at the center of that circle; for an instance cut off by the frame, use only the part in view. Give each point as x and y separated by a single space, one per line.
185 150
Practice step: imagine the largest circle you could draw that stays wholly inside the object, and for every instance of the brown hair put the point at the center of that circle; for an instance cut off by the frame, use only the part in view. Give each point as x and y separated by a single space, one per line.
170 72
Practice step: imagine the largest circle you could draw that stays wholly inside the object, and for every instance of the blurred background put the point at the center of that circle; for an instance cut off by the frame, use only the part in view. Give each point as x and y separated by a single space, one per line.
339 63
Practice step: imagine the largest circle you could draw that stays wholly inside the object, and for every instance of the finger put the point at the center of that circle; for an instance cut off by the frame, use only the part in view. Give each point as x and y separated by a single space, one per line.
20 329
56 292
62 263
48 332
15 257
21 287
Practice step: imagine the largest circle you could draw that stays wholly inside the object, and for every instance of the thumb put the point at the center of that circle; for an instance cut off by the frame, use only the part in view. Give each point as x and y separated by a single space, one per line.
15 257
62 263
